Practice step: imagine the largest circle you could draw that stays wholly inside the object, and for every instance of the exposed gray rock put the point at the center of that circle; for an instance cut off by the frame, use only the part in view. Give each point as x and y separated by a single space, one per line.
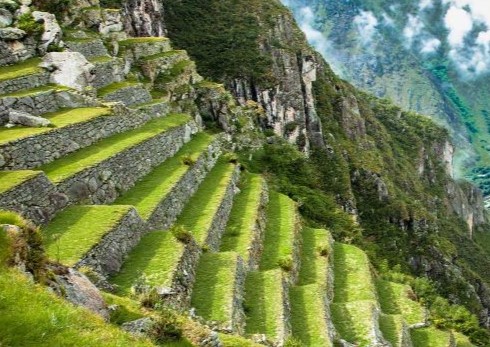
11 34
111 22
52 31
6 18
144 18
78 289
90 49
140 327
26 119
70 69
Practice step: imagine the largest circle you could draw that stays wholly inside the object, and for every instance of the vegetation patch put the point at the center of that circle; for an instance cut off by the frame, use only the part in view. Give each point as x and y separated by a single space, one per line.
263 302
88 157
280 231
11 179
152 262
213 292
430 337
308 318
154 187
239 232
76 230
25 68
198 214
392 328
236 341
113 87
34 91
314 256
59 119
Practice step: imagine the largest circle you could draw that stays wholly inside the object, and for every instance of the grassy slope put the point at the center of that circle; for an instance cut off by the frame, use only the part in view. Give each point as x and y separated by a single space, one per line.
353 321
279 235
314 266
214 288
392 328
73 232
11 179
263 302
155 258
241 224
25 68
59 119
67 166
198 214
149 191
430 337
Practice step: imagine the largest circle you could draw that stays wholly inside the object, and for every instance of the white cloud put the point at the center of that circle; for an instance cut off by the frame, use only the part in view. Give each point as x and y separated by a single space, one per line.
366 24
315 37
430 45
425 4
459 23
413 29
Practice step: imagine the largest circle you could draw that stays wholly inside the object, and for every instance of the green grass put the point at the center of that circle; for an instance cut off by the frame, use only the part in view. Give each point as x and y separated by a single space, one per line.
69 165
101 59
198 214
280 231
308 318
127 310
136 40
314 267
153 188
59 119
76 230
354 321
162 55
392 328
236 341
11 179
32 316
430 337
26 68
213 291
462 340
239 232
263 302
111 88
155 258
150 103
394 299
353 280
35 91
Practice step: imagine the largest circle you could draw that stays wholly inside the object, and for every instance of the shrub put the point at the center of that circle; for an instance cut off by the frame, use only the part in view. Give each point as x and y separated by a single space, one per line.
293 342
167 326
27 23
188 160
56 7
323 250
285 263
181 234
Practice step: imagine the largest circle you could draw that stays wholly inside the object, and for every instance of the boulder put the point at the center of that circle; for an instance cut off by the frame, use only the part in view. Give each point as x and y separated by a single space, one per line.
52 30
6 18
26 119
12 34
78 289
111 22
70 69
140 327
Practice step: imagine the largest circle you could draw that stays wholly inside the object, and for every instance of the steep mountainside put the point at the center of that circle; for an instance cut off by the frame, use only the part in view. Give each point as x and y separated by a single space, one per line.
235 193
429 57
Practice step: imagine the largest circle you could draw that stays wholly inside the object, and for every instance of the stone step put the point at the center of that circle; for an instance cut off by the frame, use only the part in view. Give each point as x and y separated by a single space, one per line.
138 47
129 93
206 214
31 194
244 232
357 323
162 194
432 337
355 311
395 330
100 173
21 76
217 295
310 315
281 242
35 101
90 47
267 306
399 299
155 64
98 237
108 70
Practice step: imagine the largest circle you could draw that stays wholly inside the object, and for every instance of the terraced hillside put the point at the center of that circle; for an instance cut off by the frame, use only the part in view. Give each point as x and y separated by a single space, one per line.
129 188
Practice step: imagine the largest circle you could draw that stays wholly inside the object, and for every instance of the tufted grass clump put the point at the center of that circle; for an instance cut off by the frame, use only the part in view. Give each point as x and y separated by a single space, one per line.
27 23
181 234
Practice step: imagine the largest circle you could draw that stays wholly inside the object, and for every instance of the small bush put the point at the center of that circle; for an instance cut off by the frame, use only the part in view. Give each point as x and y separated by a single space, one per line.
323 250
27 23
286 263
188 160
56 7
293 342
205 248
167 327
12 218
181 234
231 158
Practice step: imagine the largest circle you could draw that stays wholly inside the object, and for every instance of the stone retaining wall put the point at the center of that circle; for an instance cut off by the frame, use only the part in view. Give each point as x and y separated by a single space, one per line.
257 244
297 245
14 51
108 72
130 95
237 325
36 105
103 183
41 149
220 219
170 208
284 331
108 255
90 49
36 199
24 82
